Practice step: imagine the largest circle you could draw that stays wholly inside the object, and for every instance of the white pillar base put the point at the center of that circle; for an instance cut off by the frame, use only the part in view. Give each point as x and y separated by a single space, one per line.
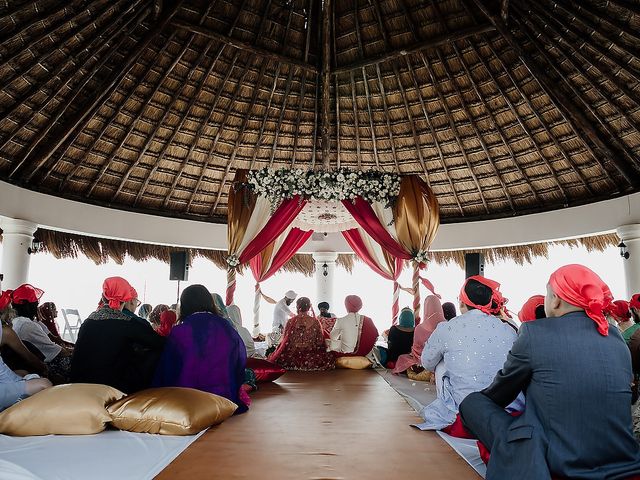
17 236
325 272
630 235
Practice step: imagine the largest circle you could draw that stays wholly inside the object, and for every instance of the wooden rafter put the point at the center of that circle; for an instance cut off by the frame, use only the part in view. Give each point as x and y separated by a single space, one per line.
247 47
42 148
561 99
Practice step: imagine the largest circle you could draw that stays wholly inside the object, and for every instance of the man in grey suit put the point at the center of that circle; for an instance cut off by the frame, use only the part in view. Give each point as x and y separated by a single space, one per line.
576 376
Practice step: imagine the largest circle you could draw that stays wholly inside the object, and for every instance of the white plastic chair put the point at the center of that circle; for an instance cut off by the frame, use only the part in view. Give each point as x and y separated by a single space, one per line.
69 325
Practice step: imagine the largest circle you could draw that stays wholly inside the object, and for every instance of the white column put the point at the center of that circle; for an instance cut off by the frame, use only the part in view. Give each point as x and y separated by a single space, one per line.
325 272
16 239
630 235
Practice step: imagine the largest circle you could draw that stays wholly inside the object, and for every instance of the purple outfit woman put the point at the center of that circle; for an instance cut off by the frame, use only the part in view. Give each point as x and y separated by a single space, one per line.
206 353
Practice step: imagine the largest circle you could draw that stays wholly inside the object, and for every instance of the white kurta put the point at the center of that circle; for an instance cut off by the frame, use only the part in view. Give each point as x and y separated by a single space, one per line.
30 331
281 315
345 333
468 351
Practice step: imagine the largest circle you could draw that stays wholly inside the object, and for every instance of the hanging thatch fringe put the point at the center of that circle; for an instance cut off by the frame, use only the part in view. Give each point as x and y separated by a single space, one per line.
100 250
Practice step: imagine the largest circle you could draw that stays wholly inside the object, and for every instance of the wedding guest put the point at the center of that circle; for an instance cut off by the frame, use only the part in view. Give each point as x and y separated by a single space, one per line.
236 319
154 316
204 351
354 334
327 319
400 336
449 310
575 372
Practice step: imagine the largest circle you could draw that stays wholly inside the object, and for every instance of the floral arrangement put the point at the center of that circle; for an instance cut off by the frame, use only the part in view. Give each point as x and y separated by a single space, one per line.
422 257
334 185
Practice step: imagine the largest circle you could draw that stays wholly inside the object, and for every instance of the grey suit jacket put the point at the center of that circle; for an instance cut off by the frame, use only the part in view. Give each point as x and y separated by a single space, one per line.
577 385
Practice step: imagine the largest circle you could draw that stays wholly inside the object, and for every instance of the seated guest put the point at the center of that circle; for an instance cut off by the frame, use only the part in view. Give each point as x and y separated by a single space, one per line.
433 315
204 351
634 308
154 316
47 313
449 310
575 372
354 333
25 300
302 346
112 348
467 351
144 311
236 319
130 307
168 319
400 336
327 319
619 315
532 309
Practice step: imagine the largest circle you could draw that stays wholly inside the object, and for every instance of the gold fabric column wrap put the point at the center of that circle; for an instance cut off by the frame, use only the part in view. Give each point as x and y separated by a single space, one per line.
240 207
416 215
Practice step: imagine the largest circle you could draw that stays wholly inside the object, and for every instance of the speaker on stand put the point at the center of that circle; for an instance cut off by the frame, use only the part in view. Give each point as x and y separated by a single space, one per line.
179 268
473 264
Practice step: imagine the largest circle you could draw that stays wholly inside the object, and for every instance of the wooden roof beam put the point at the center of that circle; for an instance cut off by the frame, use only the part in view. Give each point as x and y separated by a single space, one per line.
560 97
43 148
416 48
240 45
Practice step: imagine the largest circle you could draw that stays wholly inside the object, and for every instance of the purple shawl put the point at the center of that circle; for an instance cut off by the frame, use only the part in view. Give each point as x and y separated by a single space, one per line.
204 352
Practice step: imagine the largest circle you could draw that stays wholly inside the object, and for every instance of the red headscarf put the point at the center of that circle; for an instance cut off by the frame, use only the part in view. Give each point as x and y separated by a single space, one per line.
619 309
26 294
635 301
353 303
528 311
496 302
116 290
583 288
5 299
168 319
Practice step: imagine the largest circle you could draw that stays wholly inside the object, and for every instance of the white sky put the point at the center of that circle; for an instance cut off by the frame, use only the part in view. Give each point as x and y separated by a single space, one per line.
76 283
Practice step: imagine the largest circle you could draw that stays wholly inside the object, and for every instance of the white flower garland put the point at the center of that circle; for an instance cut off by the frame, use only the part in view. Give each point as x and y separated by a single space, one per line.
335 185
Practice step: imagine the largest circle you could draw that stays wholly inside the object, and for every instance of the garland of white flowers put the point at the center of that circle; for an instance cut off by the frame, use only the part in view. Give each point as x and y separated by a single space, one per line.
335 185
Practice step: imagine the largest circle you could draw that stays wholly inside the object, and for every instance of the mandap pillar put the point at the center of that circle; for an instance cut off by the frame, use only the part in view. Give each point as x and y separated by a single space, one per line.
325 263
17 236
630 235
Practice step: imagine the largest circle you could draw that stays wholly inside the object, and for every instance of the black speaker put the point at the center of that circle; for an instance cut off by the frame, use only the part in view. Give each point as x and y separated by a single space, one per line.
179 266
473 264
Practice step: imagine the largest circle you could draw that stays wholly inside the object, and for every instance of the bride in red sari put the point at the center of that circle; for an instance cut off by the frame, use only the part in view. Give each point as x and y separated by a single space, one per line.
302 346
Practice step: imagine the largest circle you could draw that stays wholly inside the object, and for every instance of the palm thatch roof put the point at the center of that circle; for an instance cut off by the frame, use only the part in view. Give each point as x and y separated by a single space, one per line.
100 251
504 107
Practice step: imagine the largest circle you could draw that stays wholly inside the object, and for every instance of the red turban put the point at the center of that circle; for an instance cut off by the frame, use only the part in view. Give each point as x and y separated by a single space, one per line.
581 287
116 290
5 299
528 311
496 302
619 310
635 301
26 294
353 303
168 319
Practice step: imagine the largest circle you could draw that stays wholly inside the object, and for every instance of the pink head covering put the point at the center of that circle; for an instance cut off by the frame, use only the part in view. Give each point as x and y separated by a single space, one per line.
26 293
168 319
353 303
528 311
583 288
116 290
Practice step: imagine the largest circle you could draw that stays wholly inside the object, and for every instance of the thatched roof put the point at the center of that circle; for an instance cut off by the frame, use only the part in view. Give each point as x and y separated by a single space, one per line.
504 107
67 245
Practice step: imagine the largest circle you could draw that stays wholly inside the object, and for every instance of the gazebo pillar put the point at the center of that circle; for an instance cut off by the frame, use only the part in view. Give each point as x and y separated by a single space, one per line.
630 235
325 272
17 236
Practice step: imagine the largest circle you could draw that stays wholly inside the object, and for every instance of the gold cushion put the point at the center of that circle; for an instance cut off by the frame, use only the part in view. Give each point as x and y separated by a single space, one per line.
72 409
170 411
354 363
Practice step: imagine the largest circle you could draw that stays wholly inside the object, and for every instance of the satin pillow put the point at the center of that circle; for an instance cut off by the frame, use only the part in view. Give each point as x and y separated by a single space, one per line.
353 363
265 370
72 409
170 411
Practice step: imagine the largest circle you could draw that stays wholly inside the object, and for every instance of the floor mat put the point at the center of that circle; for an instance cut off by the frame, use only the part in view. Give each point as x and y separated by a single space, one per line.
107 455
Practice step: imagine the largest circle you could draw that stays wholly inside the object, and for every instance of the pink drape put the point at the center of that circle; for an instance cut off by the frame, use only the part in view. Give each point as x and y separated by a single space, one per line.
294 241
368 221
354 239
279 221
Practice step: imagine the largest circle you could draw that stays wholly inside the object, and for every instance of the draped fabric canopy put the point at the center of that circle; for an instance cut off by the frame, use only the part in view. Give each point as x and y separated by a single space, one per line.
386 236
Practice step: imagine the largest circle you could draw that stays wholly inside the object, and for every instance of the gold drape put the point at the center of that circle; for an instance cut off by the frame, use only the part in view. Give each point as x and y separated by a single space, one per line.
241 205
416 215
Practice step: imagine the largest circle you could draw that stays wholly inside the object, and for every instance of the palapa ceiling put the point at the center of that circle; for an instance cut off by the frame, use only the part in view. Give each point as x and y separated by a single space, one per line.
503 107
